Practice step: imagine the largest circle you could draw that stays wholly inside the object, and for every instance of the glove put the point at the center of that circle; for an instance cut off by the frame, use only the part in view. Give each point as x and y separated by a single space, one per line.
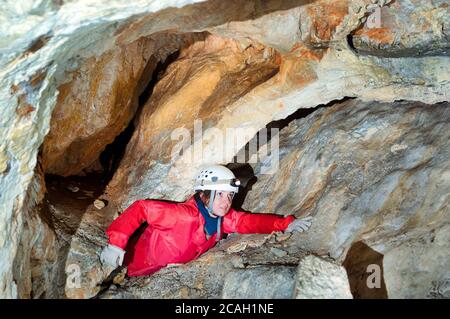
112 256
300 225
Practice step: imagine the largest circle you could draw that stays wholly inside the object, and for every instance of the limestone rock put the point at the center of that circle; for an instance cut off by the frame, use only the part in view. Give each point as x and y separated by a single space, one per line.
302 74
406 28
99 204
225 70
260 283
100 100
278 252
44 50
337 166
206 276
420 267
320 279
37 259
84 253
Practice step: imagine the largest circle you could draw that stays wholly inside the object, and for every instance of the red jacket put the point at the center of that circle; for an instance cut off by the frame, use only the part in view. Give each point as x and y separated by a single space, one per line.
175 232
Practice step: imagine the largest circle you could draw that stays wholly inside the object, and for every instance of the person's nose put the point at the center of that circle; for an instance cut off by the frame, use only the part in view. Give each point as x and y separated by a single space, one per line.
229 198
226 200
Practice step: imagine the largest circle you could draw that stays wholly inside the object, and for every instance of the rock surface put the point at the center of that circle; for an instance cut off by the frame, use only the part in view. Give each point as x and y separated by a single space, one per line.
314 67
406 28
37 259
391 185
261 283
391 188
103 97
320 279
243 255
420 267
409 144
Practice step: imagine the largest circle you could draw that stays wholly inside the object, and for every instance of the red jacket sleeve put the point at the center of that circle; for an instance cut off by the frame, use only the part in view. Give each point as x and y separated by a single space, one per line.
252 223
153 212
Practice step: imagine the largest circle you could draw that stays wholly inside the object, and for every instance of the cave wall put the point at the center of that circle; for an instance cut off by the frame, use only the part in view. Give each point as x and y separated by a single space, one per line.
43 52
317 64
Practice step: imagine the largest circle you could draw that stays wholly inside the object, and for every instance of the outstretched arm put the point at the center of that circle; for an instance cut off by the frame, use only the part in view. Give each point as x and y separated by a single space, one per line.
253 223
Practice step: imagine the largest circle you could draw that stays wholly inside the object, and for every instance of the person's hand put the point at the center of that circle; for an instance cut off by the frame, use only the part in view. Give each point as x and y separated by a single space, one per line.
112 256
299 225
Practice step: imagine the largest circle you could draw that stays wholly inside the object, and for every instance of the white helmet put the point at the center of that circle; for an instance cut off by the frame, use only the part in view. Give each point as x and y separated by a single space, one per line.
216 177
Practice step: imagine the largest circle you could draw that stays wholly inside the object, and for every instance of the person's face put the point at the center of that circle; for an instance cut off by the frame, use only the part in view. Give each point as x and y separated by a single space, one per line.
222 202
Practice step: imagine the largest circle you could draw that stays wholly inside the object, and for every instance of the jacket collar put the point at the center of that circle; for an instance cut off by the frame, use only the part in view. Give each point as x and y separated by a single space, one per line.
200 234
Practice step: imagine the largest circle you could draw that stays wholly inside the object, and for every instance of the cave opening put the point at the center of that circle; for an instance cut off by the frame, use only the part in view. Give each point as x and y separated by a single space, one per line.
113 153
68 198
75 193
364 268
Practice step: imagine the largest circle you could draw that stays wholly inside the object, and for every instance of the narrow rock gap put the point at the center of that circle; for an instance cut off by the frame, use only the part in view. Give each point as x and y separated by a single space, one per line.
350 43
158 72
38 43
94 179
364 268
68 198
109 281
244 170
112 155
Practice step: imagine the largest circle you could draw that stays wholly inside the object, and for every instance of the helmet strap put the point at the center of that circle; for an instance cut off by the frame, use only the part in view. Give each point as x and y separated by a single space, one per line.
210 211
211 203
218 234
